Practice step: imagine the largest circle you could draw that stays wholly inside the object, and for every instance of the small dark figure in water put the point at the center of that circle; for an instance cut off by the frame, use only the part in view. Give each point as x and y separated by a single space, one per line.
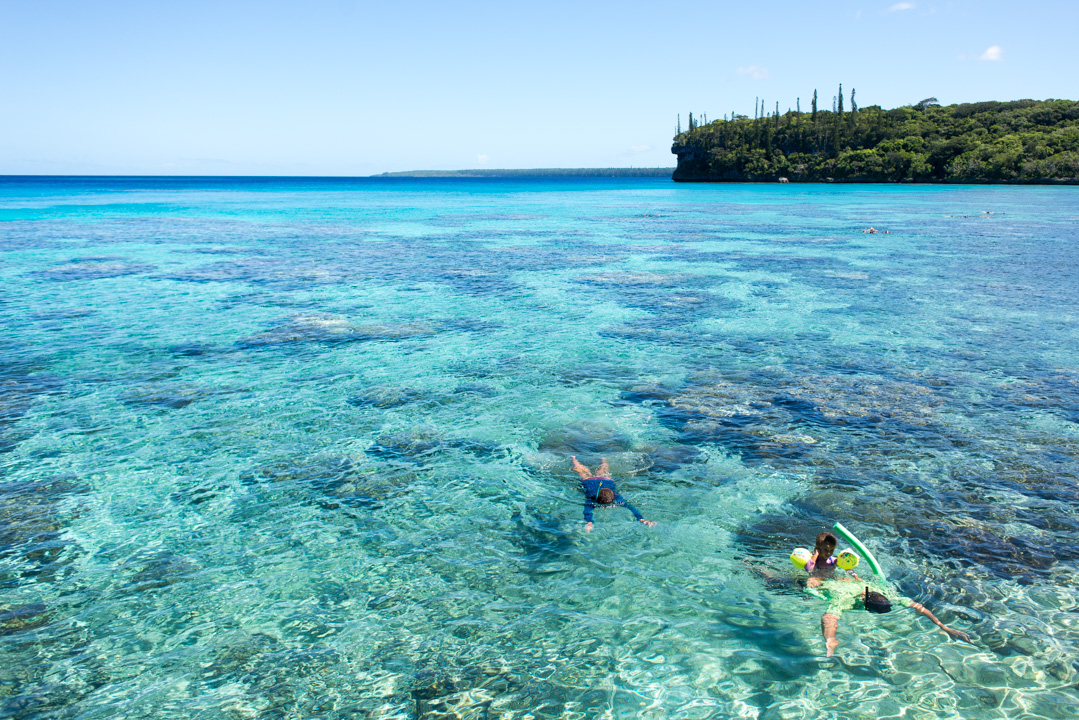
599 489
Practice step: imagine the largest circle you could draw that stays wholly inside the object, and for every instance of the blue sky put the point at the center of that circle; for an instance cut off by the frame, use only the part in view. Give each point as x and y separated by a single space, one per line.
346 87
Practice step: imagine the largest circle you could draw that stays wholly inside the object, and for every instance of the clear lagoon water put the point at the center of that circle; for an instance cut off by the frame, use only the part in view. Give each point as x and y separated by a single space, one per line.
276 448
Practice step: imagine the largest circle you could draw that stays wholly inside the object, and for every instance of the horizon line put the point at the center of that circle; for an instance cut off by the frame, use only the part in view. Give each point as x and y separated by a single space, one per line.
478 173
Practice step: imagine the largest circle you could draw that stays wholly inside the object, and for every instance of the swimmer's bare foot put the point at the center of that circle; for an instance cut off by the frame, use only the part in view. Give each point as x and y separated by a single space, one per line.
831 644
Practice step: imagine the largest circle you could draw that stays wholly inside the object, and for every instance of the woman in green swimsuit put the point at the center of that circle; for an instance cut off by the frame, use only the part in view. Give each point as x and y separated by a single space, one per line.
846 594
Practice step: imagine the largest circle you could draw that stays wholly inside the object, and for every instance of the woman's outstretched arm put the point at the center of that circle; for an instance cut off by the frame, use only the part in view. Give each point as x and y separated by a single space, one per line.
925 611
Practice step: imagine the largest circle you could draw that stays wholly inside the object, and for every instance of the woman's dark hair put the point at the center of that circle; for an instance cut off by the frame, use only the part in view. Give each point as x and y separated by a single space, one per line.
605 496
875 602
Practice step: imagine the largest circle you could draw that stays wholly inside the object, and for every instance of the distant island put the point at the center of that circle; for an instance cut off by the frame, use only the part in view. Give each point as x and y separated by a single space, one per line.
537 172
1025 141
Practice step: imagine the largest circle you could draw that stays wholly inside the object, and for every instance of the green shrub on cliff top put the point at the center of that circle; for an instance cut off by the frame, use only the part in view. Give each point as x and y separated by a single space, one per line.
1019 141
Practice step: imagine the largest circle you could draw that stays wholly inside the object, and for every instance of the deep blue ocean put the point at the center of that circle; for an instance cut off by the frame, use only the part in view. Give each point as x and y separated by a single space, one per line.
300 448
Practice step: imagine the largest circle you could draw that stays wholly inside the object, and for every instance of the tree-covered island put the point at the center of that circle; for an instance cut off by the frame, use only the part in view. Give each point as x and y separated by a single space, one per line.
1025 141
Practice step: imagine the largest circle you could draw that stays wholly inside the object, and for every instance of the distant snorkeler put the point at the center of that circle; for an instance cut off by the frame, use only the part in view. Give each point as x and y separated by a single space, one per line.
599 489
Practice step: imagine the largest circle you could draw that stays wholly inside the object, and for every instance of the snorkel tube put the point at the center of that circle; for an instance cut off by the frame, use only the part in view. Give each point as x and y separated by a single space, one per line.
849 537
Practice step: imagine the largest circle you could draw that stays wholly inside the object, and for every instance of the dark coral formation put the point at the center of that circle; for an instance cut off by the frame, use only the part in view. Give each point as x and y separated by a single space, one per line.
94 268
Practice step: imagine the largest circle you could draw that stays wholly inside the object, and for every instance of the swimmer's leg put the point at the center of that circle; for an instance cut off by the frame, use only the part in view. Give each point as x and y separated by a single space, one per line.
604 471
580 469
829 623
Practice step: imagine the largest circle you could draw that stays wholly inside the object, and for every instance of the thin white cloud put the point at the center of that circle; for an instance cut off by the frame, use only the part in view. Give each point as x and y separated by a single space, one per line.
901 6
641 148
993 53
482 159
755 71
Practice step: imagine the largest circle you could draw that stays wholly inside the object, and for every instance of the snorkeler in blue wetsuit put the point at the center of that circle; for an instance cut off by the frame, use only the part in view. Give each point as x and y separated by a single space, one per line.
599 490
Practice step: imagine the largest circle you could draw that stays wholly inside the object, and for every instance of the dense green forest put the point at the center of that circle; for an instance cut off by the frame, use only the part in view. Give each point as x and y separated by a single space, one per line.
1025 141
538 172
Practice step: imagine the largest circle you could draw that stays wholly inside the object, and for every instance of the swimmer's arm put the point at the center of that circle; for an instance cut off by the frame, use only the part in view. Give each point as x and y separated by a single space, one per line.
619 500
811 563
925 611
589 503
636 513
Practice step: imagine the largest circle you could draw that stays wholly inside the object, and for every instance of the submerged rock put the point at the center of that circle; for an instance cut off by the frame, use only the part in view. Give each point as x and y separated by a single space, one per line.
20 384
320 474
475 389
416 444
648 393
192 349
23 617
264 270
63 314
652 330
780 398
410 444
93 268
195 496
639 278
475 281
686 306
586 437
159 570
239 655
331 482
330 328
164 395
601 371
31 522
467 324
478 448
778 415
544 543
669 458
1056 390
390 396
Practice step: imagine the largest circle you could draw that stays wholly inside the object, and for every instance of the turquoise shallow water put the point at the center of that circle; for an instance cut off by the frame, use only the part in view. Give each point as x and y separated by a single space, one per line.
300 448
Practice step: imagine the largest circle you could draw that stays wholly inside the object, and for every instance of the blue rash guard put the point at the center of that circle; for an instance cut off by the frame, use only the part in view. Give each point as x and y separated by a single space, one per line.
591 488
